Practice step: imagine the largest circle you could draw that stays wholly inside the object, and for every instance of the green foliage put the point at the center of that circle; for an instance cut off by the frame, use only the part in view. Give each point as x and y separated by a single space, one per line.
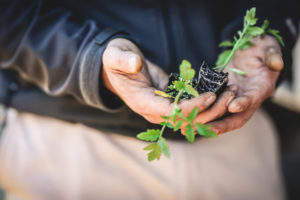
222 57
176 119
237 71
164 147
226 43
275 33
149 135
155 151
243 41
204 130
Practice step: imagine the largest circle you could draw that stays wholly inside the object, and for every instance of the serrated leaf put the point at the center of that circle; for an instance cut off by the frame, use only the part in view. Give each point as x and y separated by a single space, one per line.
185 65
164 147
179 85
150 146
178 125
168 124
265 25
186 71
255 31
275 33
163 94
193 115
226 43
192 91
150 135
155 153
250 17
242 43
247 45
204 130
190 133
189 75
237 71
222 57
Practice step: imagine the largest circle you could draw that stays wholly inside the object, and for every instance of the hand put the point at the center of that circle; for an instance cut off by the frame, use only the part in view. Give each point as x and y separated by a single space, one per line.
134 79
262 63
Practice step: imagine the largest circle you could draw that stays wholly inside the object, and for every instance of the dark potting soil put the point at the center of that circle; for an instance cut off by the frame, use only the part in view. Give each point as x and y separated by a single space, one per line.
208 80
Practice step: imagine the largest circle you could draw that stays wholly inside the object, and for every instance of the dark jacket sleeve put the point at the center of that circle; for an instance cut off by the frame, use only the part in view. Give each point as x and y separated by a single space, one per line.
48 49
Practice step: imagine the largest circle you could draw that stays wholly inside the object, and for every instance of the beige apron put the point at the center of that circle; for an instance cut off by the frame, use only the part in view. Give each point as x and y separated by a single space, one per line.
46 159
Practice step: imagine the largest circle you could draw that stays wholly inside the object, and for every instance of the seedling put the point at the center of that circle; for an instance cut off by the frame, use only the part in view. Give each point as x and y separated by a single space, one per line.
186 86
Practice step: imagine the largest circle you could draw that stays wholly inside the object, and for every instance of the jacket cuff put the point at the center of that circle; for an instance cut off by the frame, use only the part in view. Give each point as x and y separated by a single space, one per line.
93 91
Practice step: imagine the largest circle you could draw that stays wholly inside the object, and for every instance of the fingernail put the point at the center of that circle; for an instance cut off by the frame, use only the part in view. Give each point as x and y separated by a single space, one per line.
210 100
238 108
132 63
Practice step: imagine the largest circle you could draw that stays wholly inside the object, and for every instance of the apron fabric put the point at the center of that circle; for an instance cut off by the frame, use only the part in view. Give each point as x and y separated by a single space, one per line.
42 158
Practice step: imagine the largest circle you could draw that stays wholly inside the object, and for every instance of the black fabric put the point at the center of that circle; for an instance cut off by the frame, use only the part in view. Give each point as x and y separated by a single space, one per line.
56 48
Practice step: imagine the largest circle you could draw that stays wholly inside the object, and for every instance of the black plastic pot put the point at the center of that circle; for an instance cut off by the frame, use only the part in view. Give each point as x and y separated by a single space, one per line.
208 80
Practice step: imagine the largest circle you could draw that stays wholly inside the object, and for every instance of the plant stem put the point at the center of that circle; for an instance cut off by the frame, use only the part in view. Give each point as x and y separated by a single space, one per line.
175 106
177 98
235 48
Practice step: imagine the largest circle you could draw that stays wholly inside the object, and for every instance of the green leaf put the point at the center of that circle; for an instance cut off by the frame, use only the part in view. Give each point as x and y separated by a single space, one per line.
186 71
247 45
179 85
190 133
178 125
164 147
166 117
176 110
190 90
243 42
155 153
193 115
189 74
255 31
237 71
184 66
168 124
275 33
204 130
222 57
226 43
250 17
150 135
265 25
163 94
150 146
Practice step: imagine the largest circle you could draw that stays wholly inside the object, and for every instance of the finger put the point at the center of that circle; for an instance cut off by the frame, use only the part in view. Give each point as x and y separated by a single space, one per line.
273 58
217 110
202 102
122 61
159 77
239 104
234 88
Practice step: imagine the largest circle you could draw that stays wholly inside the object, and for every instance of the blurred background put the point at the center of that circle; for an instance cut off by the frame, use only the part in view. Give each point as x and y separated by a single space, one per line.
284 109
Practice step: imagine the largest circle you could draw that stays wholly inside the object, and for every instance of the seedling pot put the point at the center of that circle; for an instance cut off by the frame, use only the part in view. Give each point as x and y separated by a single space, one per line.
208 80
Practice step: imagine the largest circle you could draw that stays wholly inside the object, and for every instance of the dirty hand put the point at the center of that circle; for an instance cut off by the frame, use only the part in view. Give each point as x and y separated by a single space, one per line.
134 79
262 63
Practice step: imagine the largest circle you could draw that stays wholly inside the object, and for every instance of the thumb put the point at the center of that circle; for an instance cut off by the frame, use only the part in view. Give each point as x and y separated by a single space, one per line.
273 58
123 61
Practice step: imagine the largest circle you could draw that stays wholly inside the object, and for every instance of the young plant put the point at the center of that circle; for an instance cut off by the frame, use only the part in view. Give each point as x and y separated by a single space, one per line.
185 86
243 41
175 120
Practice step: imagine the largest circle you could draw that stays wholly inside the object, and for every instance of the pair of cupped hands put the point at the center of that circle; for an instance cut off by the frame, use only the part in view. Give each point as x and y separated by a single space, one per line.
128 74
